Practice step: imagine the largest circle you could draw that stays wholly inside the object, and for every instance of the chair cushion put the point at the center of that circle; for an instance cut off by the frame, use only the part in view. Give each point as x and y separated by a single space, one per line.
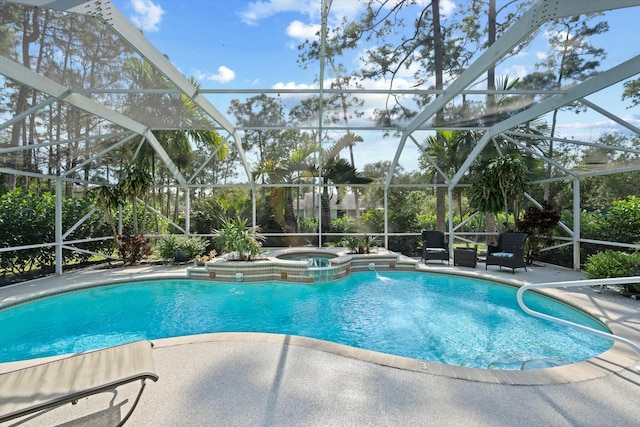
436 250
503 254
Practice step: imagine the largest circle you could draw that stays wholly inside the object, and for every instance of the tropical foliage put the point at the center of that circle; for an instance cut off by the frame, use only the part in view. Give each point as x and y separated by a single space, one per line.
27 218
238 240
612 263
539 224
133 247
176 245
499 185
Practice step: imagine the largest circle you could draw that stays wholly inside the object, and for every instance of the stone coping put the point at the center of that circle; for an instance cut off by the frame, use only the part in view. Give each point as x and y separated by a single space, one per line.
614 360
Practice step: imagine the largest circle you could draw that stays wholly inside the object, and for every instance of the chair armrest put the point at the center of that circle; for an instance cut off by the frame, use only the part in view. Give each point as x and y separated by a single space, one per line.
492 249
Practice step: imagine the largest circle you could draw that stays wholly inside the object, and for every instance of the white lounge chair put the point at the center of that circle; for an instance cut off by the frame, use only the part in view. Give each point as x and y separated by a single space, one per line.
52 384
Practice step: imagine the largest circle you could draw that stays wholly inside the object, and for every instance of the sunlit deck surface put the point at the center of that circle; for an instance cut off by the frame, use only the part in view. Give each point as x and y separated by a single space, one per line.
249 379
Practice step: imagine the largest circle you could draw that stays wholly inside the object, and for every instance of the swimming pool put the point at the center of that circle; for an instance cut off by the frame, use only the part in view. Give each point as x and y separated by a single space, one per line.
448 319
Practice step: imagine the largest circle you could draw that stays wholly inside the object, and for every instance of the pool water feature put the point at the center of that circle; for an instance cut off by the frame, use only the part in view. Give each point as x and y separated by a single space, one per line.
448 319
319 265
314 260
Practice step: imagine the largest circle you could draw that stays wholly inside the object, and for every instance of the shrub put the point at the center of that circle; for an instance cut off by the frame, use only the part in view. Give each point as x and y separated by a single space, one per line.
373 221
344 224
238 239
622 222
538 224
611 263
73 210
174 244
26 219
133 247
360 244
308 225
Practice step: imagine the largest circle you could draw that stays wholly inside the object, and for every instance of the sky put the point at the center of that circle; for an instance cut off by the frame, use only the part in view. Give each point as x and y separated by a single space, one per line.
240 44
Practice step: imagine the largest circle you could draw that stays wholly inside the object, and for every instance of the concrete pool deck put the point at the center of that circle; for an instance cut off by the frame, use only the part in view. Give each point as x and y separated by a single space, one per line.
261 379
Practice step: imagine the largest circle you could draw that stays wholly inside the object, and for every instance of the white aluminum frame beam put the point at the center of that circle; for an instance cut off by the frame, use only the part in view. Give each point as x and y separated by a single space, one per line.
68 141
22 75
110 15
598 82
575 142
608 115
28 112
529 22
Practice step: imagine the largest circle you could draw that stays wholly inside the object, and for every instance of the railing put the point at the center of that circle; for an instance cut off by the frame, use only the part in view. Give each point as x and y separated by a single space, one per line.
575 283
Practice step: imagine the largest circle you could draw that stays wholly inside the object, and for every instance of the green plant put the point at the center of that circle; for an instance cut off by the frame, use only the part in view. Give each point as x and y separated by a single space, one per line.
538 223
373 221
360 244
497 184
239 240
308 225
622 221
26 219
133 247
612 263
345 224
366 243
351 243
185 246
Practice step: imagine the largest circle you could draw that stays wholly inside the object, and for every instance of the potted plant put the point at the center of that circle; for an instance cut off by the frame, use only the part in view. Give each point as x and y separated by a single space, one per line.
201 259
238 240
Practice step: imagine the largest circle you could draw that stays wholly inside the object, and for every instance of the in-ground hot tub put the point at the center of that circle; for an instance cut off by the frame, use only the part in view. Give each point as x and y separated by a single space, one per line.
314 259
302 265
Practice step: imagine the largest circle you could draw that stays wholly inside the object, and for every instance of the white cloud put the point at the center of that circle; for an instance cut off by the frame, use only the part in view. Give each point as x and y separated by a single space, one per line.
299 30
146 15
259 10
447 7
293 85
224 75
517 70
262 9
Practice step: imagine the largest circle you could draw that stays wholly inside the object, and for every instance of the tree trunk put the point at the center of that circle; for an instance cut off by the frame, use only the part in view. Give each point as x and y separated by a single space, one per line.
491 228
18 130
325 217
438 59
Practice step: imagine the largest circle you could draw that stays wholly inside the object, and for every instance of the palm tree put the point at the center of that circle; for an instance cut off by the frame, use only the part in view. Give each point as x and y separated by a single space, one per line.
110 198
451 148
134 185
152 108
499 183
286 171
335 170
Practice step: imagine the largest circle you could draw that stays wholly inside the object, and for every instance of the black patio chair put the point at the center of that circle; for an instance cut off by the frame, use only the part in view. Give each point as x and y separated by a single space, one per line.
509 252
434 246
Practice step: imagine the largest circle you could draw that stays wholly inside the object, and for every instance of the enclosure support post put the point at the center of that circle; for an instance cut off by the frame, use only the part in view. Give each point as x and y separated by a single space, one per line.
386 217
450 196
254 208
187 216
576 224
120 219
58 226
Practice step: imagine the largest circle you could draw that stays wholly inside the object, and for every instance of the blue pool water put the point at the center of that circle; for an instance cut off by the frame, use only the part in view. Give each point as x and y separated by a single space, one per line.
448 319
